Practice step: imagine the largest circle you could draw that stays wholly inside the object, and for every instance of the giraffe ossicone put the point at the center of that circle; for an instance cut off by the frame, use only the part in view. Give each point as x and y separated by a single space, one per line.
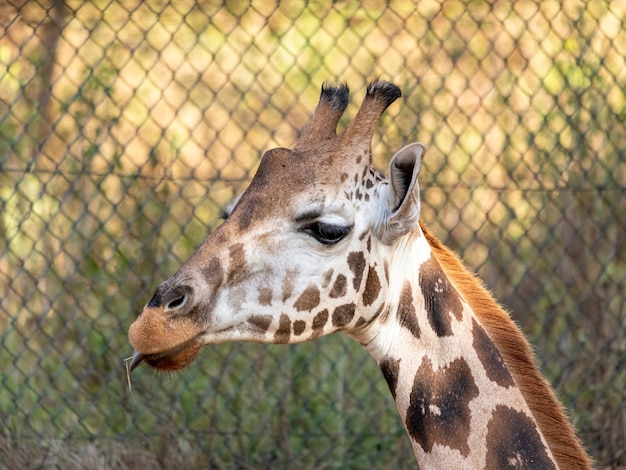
320 241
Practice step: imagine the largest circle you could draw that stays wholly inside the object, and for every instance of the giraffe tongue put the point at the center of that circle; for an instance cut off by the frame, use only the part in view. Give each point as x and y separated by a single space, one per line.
137 359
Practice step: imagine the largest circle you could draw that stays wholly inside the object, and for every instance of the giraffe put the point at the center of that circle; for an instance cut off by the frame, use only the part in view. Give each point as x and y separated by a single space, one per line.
320 241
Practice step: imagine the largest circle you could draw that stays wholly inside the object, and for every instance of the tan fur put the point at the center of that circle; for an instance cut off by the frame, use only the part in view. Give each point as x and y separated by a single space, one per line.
519 358
154 333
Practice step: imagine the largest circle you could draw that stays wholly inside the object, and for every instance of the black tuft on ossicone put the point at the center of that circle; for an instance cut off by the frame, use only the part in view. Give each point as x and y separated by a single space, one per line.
336 95
385 90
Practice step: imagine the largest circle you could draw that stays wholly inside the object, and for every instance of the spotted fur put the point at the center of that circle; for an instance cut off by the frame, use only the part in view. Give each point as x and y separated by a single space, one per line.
513 442
519 359
460 371
439 409
407 316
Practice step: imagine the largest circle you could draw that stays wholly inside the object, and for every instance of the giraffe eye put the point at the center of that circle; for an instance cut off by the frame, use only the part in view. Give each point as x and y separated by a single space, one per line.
326 234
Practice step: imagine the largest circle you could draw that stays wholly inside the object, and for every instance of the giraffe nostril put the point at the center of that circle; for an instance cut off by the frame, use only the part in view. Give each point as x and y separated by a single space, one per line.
171 297
177 302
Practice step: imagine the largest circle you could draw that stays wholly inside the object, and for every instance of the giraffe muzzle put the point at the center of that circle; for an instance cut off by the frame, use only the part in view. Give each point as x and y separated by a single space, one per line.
163 340
169 360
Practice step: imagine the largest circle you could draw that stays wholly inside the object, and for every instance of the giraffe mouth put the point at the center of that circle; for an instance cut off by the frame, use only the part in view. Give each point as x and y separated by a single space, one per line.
172 359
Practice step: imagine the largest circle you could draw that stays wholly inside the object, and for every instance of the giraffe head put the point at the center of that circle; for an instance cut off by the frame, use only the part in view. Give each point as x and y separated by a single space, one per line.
302 251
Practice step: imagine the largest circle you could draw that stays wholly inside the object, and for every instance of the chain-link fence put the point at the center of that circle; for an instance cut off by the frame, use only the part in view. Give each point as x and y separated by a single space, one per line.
126 125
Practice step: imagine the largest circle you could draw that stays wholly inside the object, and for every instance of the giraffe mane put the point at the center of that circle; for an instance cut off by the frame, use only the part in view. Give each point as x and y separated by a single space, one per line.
519 358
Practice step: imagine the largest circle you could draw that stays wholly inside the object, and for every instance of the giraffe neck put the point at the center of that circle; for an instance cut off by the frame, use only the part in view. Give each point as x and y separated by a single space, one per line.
457 399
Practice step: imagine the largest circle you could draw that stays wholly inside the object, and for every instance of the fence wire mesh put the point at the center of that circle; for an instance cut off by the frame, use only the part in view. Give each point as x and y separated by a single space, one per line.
125 126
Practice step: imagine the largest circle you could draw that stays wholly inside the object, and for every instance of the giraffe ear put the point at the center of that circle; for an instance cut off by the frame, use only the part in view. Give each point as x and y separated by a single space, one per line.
402 201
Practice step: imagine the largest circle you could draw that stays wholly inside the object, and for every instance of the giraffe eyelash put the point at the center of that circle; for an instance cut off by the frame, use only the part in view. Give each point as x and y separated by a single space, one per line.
326 234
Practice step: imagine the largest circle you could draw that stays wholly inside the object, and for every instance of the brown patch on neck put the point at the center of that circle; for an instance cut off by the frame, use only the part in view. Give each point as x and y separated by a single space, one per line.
439 411
490 357
441 298
407 315
513 442
515 350
390 368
